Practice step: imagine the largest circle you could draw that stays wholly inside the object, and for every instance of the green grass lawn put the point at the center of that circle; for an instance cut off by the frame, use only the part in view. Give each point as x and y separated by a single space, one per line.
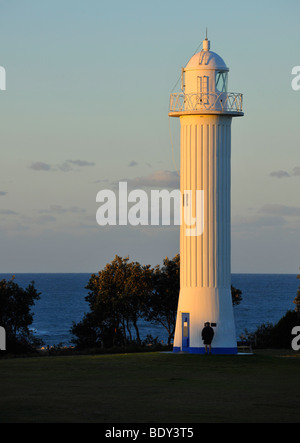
151 388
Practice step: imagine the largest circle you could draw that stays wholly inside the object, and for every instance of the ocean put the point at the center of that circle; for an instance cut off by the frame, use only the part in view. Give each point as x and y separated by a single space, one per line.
266 299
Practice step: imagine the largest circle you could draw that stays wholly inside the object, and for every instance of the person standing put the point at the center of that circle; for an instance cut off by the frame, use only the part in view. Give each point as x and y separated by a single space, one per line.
207 337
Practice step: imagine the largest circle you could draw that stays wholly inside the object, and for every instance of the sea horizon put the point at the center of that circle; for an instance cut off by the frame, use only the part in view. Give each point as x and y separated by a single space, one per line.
266 297
96 272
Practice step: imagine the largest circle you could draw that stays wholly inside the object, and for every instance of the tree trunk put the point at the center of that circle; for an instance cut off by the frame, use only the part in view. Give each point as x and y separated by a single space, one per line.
128 329
137 331
124 332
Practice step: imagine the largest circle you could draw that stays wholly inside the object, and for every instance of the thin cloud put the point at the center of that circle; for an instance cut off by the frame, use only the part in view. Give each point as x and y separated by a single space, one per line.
66 166
81 163
7 212
296 171
102 180
241 224
43 219
159 179
280 174
40 166
284 174
281 210
58 210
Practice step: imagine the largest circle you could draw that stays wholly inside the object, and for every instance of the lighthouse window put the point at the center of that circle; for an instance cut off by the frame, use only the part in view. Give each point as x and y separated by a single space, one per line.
203 84
221 81
203 90
185 328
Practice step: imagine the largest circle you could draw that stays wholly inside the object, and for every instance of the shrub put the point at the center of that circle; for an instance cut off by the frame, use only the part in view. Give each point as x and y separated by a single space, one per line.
278 336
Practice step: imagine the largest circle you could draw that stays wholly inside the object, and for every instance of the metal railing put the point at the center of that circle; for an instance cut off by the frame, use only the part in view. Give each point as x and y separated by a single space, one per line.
222 102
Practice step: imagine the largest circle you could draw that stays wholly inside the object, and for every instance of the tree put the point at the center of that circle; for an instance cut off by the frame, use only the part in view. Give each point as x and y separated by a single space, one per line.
278 335
161 305
236 295
116 297
15 314
297 299
125 292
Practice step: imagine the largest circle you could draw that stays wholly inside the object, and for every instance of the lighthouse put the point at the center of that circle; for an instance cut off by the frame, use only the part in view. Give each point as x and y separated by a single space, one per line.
205 109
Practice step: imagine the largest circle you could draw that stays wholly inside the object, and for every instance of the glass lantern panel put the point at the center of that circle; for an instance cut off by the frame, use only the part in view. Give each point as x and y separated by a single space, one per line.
221 81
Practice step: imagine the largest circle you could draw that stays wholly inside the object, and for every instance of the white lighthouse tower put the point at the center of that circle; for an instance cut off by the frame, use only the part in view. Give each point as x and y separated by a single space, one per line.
205 109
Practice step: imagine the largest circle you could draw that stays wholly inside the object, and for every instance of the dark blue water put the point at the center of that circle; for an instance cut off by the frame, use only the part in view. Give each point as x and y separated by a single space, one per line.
266 298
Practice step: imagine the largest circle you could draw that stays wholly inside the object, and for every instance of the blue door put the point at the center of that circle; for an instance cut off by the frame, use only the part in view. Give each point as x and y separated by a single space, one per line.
185 330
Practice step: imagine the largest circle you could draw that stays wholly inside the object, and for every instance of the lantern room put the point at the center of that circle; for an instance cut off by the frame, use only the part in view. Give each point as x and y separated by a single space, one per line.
204 85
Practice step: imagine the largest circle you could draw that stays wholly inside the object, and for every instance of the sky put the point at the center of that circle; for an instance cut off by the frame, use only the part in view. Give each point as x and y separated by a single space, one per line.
86 106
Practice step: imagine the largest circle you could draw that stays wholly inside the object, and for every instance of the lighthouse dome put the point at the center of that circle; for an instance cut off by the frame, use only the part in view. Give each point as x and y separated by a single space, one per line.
206 59
204 87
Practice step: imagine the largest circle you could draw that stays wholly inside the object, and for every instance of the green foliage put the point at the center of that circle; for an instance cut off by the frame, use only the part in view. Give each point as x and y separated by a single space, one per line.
116 298
278 336
125 292
16 316
281 333
259 339
161 304
297 298
236 295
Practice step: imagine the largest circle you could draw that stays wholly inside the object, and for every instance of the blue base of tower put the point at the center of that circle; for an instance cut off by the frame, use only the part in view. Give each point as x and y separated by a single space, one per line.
214 351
